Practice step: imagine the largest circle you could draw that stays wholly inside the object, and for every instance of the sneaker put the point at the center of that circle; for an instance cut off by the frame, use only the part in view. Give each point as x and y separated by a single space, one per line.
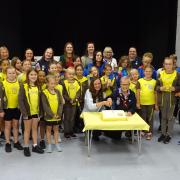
42 144
37 149
161 138
18 146
8 147
58 148
27 152
166 139
49 148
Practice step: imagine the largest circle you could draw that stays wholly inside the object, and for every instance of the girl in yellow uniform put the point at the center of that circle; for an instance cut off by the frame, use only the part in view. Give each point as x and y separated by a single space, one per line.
146 98
83 82
3 65
52 108
26 66
168 84
71 94
134 75
29 103
108 81
9 90
42 86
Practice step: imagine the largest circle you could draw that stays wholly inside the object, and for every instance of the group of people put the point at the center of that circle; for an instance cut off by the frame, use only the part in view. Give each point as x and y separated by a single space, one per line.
47 96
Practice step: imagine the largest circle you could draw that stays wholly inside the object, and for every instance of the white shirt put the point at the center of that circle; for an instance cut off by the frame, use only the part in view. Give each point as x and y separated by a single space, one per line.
113 63
89 105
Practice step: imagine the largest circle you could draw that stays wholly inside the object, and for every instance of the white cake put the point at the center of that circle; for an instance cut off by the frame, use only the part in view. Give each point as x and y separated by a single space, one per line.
108 115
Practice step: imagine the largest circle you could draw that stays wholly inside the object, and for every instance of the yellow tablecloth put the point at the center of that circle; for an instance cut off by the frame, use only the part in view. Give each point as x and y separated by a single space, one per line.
93 121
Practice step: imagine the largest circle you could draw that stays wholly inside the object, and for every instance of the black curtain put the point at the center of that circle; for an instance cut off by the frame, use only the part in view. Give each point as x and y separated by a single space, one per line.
147 25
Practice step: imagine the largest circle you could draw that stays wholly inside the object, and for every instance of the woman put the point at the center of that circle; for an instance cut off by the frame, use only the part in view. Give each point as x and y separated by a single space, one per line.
94 101
43 63
98 62
68 58
29 55
89 54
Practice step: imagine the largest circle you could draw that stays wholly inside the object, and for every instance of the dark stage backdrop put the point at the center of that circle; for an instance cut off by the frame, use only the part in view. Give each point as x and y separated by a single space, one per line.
149 25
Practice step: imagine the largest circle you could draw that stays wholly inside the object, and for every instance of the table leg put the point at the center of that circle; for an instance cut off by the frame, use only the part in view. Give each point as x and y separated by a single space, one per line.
139 141
132 132
86 138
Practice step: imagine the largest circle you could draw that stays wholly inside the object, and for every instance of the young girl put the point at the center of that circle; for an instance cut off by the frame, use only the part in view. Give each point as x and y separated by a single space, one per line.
123 65
42 86
168 84
147 99
147 60
3 65
108 81
83 82
26 66
9 90
60 71
17 64
29 103
92 74
134 75
52 107
71 94
52 67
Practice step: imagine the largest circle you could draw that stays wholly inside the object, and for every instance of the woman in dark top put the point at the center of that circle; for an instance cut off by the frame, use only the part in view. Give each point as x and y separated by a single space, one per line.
46 59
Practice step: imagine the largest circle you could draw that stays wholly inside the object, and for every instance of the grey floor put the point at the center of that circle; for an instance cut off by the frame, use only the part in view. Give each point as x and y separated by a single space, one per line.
110 160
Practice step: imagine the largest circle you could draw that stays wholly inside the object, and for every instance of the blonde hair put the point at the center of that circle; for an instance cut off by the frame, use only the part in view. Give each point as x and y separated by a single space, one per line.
71 70
107 48
148 54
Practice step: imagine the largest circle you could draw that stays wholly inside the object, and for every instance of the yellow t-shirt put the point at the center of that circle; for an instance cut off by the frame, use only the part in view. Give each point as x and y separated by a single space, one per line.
72 88
43 87
22 78
132 87
104 80
147 91
53 102
2 76
59 88
11 91
34 100
82 80
167 79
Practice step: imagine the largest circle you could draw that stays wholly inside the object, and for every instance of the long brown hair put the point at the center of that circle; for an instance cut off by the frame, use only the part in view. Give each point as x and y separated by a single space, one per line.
96 95
27 75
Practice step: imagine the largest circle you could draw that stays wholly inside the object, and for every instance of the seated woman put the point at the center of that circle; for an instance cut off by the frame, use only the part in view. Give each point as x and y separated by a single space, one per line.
95 102
123 99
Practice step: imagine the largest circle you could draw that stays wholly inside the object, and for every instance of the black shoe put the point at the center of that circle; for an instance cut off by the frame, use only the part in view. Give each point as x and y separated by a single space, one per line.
27 152
166 139
37 149
42 144
161 138
73 135
18 146
8 147
67 136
